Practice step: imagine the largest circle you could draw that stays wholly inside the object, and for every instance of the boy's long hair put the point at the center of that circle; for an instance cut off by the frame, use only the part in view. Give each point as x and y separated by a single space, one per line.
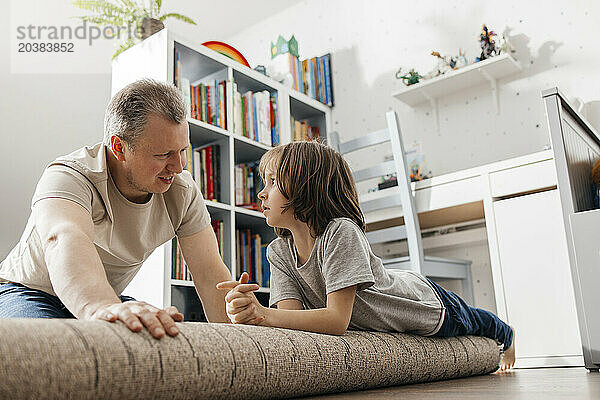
316 181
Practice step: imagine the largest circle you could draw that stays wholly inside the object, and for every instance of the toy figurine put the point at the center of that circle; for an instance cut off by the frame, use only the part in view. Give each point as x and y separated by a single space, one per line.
488 46
461 60
409 78
445 63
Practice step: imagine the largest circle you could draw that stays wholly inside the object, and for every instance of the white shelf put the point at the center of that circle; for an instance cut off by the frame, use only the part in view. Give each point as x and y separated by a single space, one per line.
216 204
251 142
181 282
252 213
210 127
308 100
487 71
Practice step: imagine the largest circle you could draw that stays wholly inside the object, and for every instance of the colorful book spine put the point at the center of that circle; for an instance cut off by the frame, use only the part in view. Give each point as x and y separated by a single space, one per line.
247 185
254 135
328 87
251 257
314 77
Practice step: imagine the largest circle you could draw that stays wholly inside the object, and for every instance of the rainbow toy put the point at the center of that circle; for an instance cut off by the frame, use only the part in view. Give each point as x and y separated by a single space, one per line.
227 51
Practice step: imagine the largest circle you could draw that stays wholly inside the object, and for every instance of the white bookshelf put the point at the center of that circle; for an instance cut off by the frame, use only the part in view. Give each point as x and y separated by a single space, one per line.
155 58
486 71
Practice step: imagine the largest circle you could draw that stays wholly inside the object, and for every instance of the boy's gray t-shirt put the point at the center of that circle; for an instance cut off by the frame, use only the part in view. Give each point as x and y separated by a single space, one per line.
386 300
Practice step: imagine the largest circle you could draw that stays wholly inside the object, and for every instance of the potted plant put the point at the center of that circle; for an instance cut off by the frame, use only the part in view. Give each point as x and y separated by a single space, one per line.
144 15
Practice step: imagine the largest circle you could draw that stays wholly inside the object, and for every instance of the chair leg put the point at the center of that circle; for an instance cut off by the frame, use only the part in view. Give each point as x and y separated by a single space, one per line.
467 288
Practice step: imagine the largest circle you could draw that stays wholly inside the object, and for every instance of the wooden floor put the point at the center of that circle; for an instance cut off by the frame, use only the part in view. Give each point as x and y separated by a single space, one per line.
539 383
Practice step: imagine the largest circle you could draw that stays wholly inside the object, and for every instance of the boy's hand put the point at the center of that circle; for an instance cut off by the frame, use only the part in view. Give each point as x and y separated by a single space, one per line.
242 305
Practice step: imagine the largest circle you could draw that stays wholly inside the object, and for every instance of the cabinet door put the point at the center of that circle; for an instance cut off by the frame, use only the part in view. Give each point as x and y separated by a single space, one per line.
535 271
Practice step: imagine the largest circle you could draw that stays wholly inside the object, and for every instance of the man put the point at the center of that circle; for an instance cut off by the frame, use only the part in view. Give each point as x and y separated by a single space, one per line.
100 211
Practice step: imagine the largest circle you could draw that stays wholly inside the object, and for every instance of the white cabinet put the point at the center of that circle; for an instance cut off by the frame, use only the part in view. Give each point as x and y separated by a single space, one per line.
538 290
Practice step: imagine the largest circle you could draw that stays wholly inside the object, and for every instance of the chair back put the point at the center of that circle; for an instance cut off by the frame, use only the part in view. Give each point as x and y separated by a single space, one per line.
400 196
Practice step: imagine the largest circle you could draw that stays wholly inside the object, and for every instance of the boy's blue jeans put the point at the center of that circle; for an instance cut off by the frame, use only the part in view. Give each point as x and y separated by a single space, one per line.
18 301
462 319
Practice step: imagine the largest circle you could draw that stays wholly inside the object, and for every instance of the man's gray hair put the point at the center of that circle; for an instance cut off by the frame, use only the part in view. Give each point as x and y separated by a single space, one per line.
128 110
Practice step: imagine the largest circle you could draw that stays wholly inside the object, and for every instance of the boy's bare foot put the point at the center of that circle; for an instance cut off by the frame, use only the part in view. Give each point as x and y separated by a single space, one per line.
508 358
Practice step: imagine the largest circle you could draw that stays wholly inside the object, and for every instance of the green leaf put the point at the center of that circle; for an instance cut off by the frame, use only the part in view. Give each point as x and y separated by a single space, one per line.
177 16
102 7
105 21
124 46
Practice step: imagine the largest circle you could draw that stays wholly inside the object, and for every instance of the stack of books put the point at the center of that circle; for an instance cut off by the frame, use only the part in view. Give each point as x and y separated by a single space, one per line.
247 185
179 269
312 77
205 100
302 130
206 171
207 103
255 116
252 257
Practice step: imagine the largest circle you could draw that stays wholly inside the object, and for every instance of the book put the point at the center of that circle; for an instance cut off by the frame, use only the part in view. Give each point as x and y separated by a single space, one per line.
254 135
237 112
274 120
209 174
322 94
314 78
328 87
310 79
305 77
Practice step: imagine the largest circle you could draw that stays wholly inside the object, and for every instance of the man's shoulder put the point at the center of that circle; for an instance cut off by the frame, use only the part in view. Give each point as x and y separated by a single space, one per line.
89 161
182 188
184 181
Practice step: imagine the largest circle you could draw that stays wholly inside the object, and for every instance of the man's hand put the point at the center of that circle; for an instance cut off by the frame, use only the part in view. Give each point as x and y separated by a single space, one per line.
242 305
137 314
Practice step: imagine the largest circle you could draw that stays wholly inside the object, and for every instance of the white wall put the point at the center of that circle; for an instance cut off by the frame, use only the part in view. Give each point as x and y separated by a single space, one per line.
557 43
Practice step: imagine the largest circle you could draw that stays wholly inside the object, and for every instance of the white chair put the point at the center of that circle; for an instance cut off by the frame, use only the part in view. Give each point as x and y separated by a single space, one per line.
432 267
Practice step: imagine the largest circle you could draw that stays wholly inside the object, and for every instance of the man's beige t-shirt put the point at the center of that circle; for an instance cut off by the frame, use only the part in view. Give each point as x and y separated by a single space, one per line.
125 233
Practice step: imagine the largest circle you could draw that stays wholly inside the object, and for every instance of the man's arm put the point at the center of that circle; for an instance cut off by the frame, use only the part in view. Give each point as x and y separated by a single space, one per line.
77 275
201 254
66 231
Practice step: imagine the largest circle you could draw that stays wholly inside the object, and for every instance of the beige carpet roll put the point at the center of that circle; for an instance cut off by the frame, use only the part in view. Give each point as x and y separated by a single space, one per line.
56 359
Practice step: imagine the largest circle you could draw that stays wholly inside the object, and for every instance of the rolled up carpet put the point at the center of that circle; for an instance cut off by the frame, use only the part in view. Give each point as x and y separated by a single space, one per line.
44 358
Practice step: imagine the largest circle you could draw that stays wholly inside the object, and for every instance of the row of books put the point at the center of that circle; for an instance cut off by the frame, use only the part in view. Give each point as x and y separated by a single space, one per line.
252 257
302 130
255 116
179 269
247 185
312 77
205 100
204 165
